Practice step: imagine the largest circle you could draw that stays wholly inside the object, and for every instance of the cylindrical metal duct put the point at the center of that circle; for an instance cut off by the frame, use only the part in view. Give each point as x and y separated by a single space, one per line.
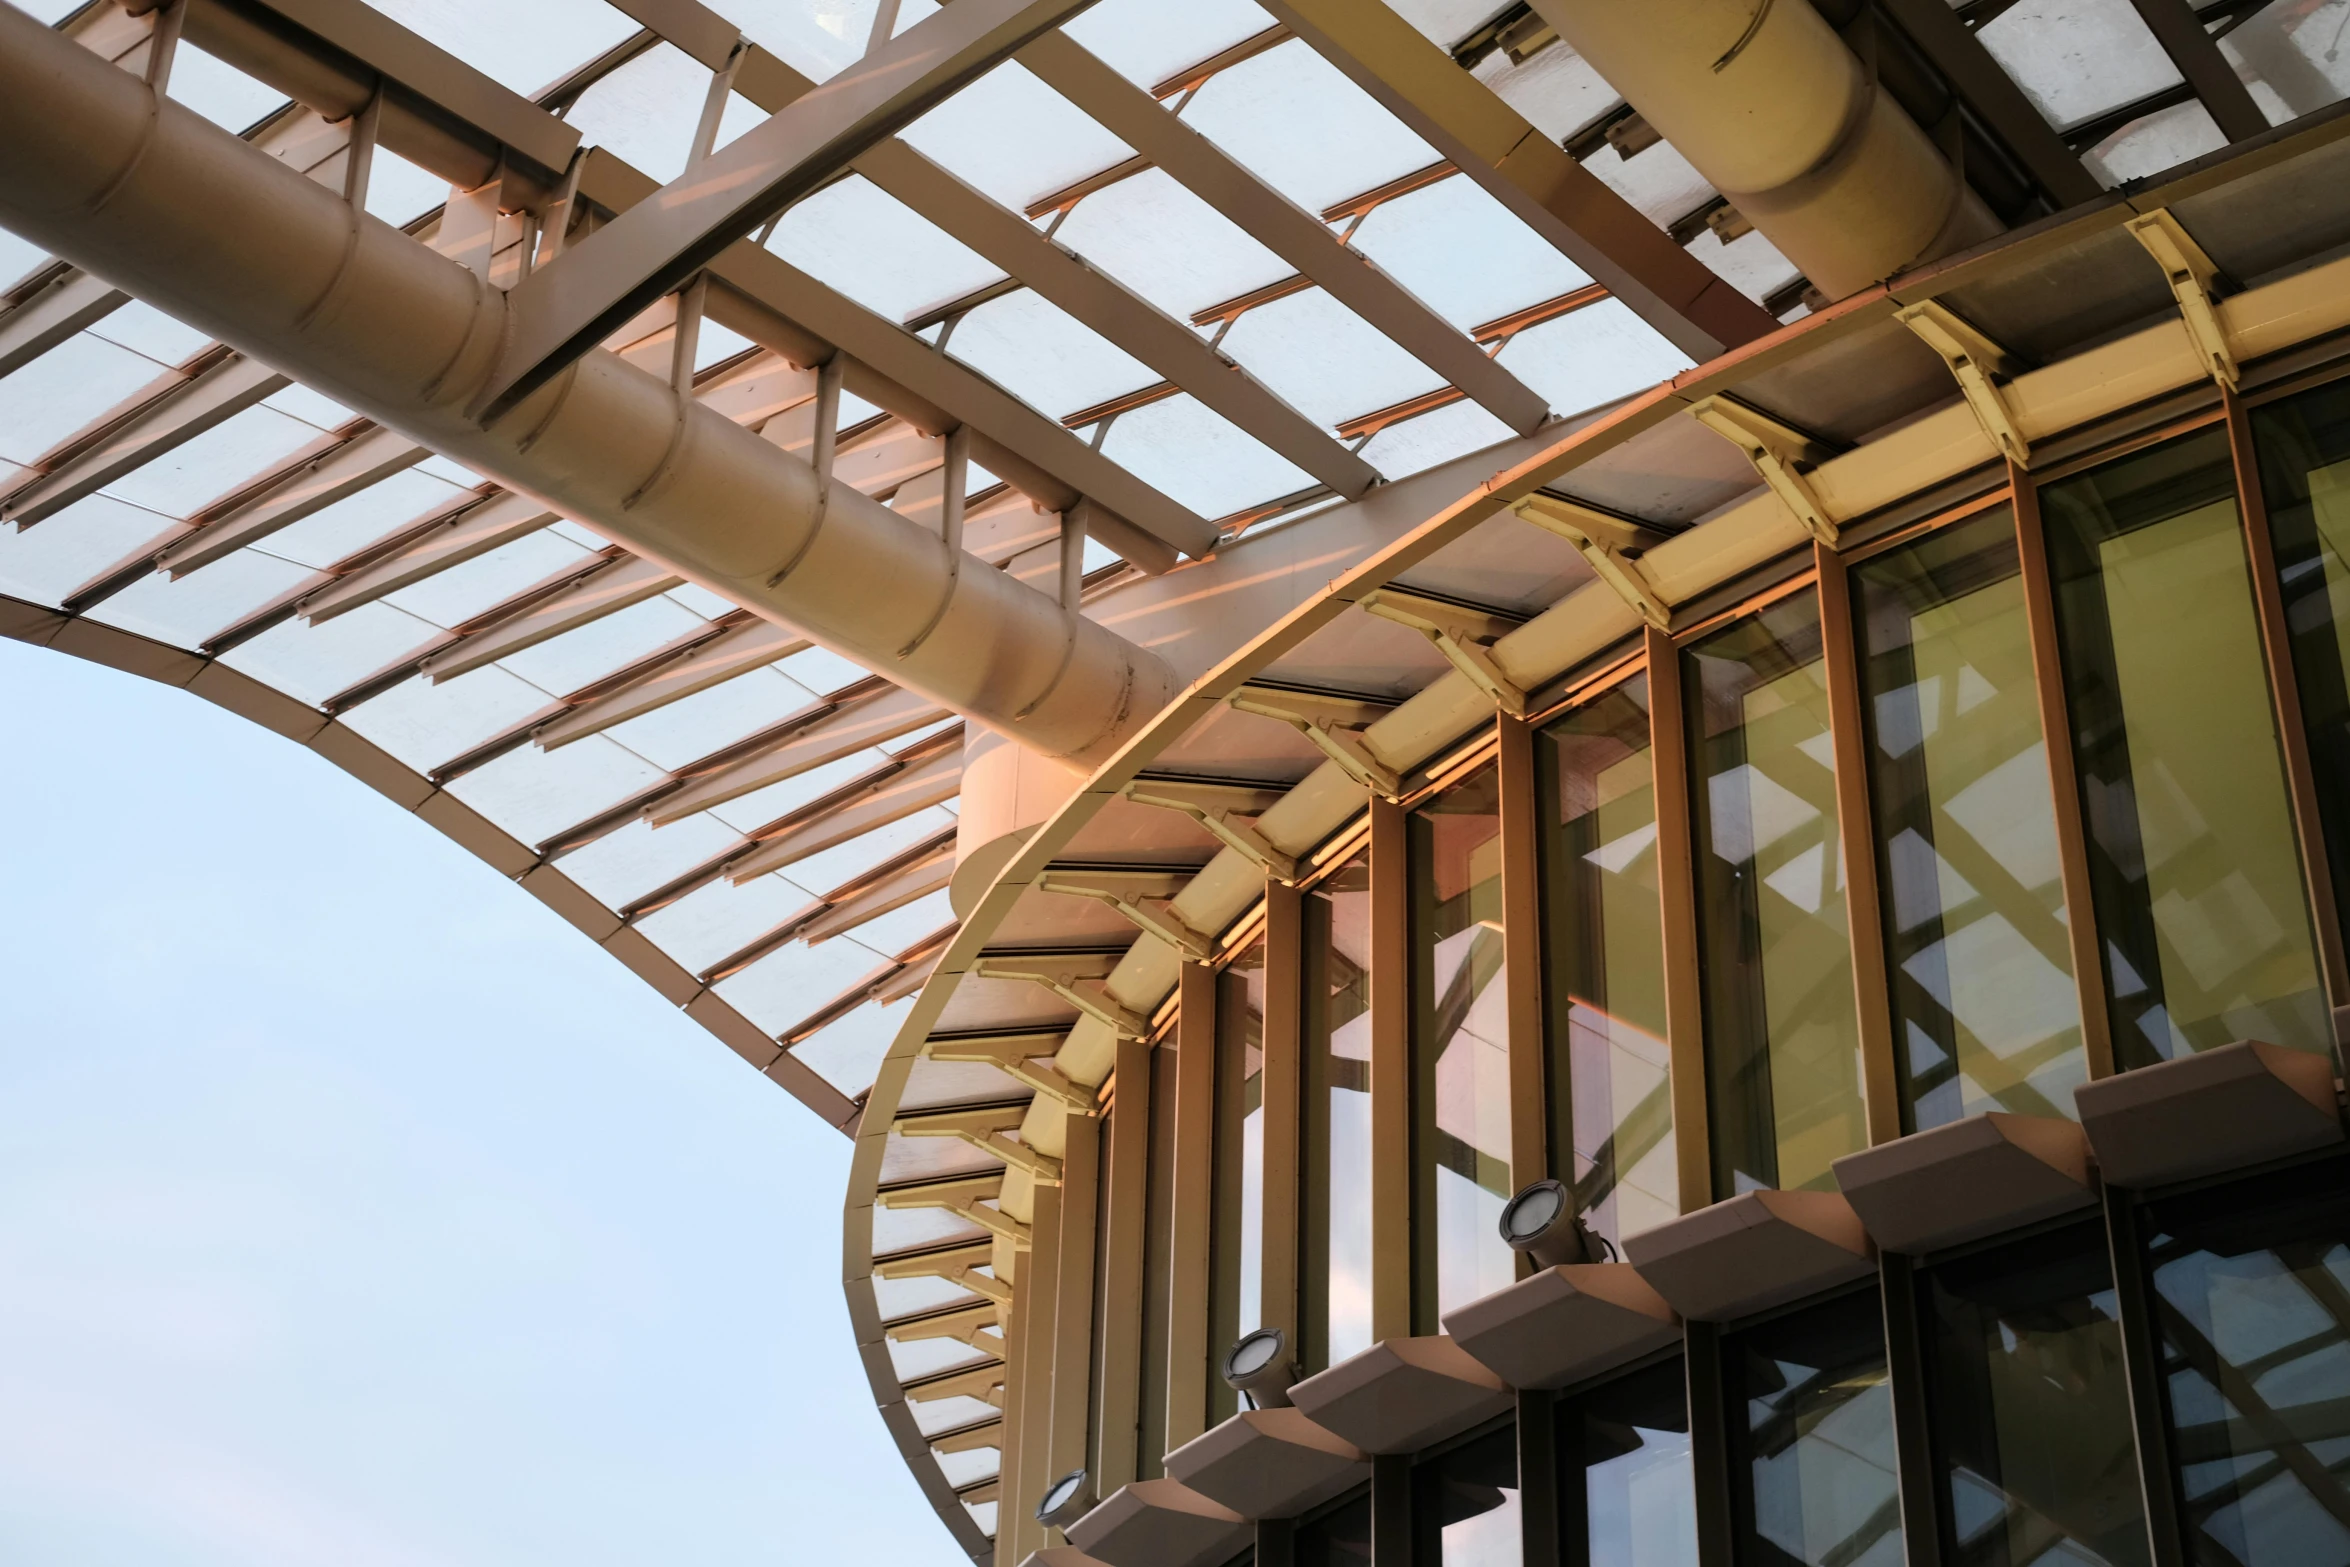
141 192
1765 100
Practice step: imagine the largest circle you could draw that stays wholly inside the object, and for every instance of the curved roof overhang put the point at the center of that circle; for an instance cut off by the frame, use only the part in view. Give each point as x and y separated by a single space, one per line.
2082 297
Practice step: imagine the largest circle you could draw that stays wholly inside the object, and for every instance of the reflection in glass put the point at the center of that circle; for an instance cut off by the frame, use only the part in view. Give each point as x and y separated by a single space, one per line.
1334 1272
1341 1537
1465 1506
1782 1044
1603 952
1973 889
2304 445
2252 1301
1236 1226
2191 853
1624 1463
1813 1468
1158 1268
2031 1406
1460 1052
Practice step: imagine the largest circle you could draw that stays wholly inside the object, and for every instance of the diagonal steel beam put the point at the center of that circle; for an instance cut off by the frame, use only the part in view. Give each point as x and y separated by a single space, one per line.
1984 86
1527 172
568 306
1297 236
2197 55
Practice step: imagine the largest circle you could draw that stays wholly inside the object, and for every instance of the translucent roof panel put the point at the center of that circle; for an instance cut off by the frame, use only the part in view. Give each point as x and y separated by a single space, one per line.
220 92
1044 355
1558 90
18 257
645 111
878 251
66 388
1455 430
143 329
527 45
849 1052
314 662
1593 356
1167 245
2077 58
47 562
1304 129
1013 137
1326 360
817 37
1463 253
1750 263
2293 56
186 612
1200 458
2159 141
220 460
1147 41
1657 180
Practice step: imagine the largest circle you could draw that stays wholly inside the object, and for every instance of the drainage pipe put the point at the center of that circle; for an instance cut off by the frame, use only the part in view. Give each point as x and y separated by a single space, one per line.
138 190
1768 103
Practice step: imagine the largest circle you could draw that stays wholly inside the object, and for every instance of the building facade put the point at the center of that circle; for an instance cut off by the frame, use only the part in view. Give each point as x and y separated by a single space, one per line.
1625 848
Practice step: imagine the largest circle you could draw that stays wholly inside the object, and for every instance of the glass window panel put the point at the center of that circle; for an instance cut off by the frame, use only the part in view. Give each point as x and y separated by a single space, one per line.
2192 859
1339 1538
2304 446
1158 1270
1334 1272
1197 457
1147 41
522 44
1426 440
2252 1286
1014 138
2292 56
1044 355
1329 363
1460 1051
1593 355
1465 1506
1236 1226
1984 1007
2076 58
1303 128
1463 254
1603 960
878 251
1168 245
1782 1044
2031 1407
1811 1429
1627 1494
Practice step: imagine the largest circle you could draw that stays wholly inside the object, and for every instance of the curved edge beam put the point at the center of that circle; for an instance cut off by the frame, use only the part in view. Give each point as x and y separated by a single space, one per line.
411 791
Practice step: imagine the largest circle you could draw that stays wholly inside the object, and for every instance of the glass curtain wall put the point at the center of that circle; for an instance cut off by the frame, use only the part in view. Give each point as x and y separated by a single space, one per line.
2031 1406
1334 1272
2192 858
1465 1504
1782 1041
1985 1012
1811 1428
2304 447
1460 1051
1340 1537
1158 1269
1611 1107
1237 1195
2252 1304
1627 1496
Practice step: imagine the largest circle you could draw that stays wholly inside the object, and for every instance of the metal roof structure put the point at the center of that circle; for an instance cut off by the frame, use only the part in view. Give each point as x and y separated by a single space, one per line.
1209 321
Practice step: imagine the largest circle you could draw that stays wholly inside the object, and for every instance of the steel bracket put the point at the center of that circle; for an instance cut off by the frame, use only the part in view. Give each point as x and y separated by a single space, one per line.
1982 369
1332 722
1611 544
1463 633
2191 275
1216 806
1783 457
1126 891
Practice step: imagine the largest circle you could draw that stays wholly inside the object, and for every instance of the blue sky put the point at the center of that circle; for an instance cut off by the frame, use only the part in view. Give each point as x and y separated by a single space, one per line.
356 1211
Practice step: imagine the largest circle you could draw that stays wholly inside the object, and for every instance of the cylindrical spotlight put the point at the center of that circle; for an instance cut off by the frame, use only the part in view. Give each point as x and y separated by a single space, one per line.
1259 1366
1540 1221
1065 1501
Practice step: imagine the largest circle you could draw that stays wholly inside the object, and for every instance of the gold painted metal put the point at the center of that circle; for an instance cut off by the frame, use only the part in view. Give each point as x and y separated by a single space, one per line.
2190 274
1140 893
1028 1389
1676 871
1521 947
1332 722
1880 1082
1782 456
1464 634
1981 368
1075 977
2072 842
965 1196
1610 543
1282 1086
1020 1055
1217 807
1193 1206
1115 1444
2285 689
1391 1073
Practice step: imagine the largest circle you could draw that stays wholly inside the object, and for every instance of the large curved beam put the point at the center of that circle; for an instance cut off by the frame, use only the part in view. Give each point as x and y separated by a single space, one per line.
138 190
